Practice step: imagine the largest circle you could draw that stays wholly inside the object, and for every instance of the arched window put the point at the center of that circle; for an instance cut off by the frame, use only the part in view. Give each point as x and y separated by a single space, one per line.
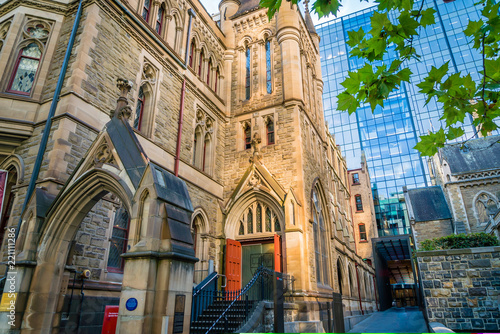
139 109
362 232
485 206
320 240
359 203
206 153
200 65
146 9
198 229
339 275
159 20
251 220
269 85
191 53
8 179
270 131
208 71
217 74
351 283
198 147
25 69
248 137
118 241
247 73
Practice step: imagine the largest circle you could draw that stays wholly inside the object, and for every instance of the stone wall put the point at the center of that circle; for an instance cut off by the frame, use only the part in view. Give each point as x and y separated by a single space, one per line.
462 287
431 229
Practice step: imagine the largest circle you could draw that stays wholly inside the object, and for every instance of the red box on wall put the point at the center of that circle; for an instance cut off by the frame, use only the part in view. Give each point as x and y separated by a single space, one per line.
110 319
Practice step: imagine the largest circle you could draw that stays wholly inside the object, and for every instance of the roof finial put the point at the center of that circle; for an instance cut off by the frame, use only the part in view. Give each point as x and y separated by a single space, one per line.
306 5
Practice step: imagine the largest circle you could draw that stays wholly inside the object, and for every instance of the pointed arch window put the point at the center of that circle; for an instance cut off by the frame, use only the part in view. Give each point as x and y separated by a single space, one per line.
270 131
119 240
259 218
217 75
191 53
209 70
247 73
159 20
248 137
320 240
146 8
200 65
250 221
269 85
206 152
25 70
255 216
139 109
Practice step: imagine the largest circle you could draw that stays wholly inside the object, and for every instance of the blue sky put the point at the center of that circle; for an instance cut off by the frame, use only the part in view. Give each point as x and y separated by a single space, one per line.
349 6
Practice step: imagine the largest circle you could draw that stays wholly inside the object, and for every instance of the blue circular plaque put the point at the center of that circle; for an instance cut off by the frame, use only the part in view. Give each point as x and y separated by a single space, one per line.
131 304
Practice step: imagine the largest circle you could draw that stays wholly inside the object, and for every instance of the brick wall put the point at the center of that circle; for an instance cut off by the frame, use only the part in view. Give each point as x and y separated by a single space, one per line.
462 287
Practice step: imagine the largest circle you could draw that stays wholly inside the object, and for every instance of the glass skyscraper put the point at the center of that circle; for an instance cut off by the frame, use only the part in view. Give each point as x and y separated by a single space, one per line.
388 135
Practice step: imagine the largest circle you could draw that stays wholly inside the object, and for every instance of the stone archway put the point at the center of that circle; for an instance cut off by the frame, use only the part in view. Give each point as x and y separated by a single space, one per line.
61 226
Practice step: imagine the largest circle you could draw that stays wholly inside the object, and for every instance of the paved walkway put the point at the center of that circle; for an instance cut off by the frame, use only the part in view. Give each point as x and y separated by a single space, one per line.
408 320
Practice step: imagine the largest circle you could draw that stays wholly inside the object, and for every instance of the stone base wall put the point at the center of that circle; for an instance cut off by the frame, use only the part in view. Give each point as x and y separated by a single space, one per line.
462 287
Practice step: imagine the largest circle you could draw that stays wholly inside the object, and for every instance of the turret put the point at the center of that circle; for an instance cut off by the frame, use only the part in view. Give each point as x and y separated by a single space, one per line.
227 9
287 26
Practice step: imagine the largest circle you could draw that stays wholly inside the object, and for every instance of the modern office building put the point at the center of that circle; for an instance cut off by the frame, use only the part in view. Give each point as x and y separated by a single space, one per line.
388 135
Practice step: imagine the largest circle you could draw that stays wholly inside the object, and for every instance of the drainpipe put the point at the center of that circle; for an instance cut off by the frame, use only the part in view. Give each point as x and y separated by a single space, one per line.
48 124
359 291
183 92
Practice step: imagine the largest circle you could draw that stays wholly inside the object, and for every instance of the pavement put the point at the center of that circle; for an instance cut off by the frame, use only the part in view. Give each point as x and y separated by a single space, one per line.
393 320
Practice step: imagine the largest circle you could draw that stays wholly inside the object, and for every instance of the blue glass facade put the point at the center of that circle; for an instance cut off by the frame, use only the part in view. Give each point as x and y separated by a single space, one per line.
388 135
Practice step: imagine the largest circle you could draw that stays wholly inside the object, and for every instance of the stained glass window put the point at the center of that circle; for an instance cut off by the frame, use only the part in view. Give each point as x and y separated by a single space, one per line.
268 220
247 74
145 10
259 218
250 221
119 239
139 110
38 31
277 227
269 85
242 229
26 68
159 20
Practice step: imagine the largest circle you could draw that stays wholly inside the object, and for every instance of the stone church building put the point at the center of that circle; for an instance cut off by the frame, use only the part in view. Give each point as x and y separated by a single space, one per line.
174 140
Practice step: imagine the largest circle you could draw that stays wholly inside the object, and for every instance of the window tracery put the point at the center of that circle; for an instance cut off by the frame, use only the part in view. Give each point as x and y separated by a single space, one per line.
252 224
30 51
486 205
4 29
203 143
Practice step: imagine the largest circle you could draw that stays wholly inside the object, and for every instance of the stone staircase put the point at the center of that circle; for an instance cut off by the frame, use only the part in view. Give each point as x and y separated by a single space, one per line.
236 316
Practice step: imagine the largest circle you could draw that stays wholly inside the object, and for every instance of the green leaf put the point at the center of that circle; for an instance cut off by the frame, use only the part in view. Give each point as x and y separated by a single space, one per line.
355 37
454 133
427 17
347 102
473 27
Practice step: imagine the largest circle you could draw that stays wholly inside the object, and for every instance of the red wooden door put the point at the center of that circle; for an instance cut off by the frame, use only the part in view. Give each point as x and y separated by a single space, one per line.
277 253
233 265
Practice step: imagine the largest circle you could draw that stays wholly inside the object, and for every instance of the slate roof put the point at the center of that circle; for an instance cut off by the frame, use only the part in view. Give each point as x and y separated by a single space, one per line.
128 148
246 7
43 202
429 204
479 155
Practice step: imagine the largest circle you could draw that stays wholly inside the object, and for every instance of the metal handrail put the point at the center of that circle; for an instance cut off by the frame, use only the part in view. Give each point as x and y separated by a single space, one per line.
207 283
261 270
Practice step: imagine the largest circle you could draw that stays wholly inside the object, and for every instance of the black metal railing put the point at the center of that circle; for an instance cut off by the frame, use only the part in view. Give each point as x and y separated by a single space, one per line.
204 295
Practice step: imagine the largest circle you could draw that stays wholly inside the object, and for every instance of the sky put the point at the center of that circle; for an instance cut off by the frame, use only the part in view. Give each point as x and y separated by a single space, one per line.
349 6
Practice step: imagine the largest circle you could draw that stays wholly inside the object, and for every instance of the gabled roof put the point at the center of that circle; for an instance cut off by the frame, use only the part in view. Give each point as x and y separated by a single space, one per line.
476 155
428 204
